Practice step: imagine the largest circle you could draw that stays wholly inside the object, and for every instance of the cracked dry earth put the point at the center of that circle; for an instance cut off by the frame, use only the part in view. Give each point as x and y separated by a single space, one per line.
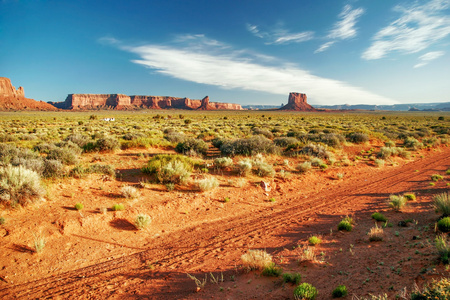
93 255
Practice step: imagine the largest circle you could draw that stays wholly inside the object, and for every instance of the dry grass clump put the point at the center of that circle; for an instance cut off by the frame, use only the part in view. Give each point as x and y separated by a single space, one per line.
308 254
130 192
256 259
207 184
304 167
441 203
397 202
142 221
375 234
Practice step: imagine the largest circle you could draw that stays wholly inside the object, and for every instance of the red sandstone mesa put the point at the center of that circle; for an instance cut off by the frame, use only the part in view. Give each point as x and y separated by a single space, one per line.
120 101
297 102
12 99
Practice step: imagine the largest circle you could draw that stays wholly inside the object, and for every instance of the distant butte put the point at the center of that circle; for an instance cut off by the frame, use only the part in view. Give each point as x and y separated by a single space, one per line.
297 102
12 99
124 102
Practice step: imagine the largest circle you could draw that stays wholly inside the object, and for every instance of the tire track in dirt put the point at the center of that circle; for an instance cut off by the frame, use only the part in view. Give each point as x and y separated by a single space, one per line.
232 231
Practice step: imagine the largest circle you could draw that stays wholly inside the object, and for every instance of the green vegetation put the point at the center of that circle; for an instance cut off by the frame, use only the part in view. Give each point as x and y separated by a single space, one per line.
79 206
142 221
436 177
314 240
444 224
439 290
397 202
272 270
294 278
339 291
346 224
441 203
410 196
256 259
305 291
443 248
118 207
379 217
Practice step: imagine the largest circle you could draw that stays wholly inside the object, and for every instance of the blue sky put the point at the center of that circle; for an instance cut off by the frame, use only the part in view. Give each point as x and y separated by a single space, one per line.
246 51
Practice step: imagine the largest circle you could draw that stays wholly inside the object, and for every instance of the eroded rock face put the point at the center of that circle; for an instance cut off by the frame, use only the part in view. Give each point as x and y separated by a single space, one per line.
119 101
297 102
12 99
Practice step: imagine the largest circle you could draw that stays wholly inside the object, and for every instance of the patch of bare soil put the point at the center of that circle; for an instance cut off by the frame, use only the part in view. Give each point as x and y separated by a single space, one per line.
97 253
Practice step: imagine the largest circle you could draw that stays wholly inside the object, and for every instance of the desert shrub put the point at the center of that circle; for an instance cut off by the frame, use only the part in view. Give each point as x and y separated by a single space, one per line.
19 185
34 164
386 152
358 138
284 141
339 291
174 172
263 169
314 240
308 254
142 221
439 290
304 167
132 136
305 291
256 259
272 270
175 137
79 206
2 220
433 142
143 142
39 243
107 144
294 278
379 162
375 234
316 162
316 150
379 217
128 191
397 202
80 140
443 248
155 164
410 196
207 184
52 168
66 155
441 203
118 207
444 224
412 143
248 146
103 169
10 152
263 132
191 144
436 177
244 166
389 144
332 139
223 162
7 138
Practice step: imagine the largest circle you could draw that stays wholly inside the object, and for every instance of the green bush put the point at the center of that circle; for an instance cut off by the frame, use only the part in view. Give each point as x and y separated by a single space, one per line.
79 206
439 290
142 221
170 168
272 270
66 155
263 169
248 146
441 203
19 185
316 150
294 278
155 164
314 240
444 224
223 162
2 220
410 196
379 217
412 143
244 166
52 168
284 141
304 167
78 139
344 225
118 207
340 291
305 291
436 177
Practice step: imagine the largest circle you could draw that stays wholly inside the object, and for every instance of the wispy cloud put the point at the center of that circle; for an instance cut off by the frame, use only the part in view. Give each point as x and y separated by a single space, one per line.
280 36
343 29
427 57
239 69
418 27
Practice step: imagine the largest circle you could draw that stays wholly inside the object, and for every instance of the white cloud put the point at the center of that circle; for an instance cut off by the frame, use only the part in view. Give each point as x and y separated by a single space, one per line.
418 27
343 29
427 57
324 47
280 36
231 69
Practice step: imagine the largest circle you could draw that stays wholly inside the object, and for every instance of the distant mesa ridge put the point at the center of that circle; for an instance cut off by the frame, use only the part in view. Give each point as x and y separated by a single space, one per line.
14 99
123 102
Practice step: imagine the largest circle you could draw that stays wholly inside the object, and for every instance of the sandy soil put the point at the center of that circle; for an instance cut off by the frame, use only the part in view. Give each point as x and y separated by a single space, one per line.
95 255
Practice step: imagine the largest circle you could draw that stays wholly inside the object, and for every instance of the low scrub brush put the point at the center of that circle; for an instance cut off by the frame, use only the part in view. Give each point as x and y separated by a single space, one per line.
305 291
272 270
340 291
441 203
444 224
256 259
142 221
379 217
397 202
294 278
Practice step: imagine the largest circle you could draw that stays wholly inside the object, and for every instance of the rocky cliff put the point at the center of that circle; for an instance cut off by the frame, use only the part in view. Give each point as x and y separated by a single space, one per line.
14 99
119 101
297 102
